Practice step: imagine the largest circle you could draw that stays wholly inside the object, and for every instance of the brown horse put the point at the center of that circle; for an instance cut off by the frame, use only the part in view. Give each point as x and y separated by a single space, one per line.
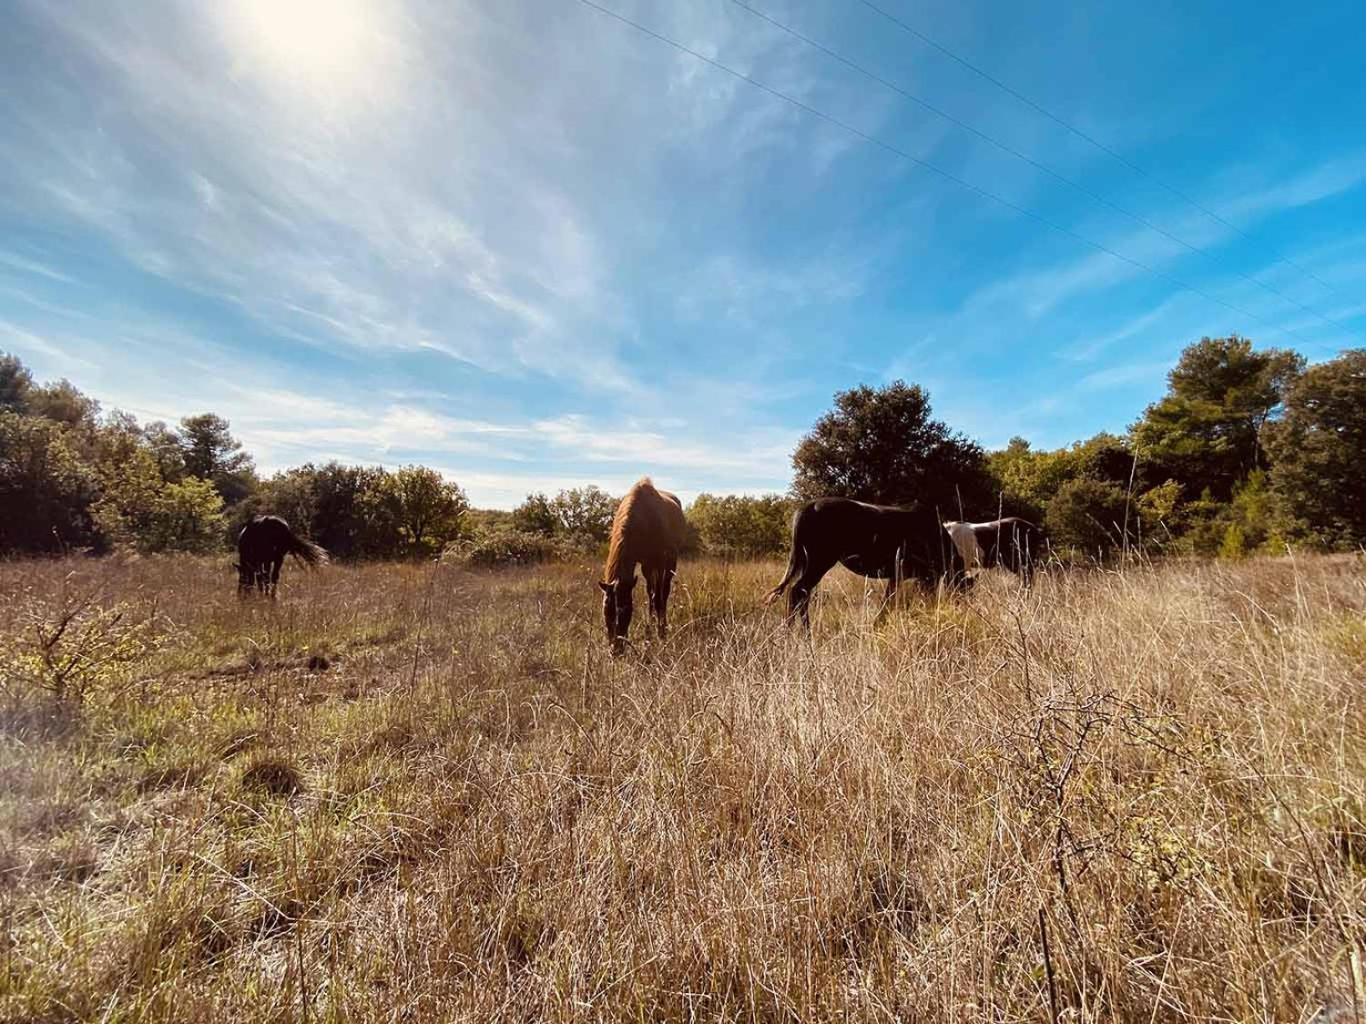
649 529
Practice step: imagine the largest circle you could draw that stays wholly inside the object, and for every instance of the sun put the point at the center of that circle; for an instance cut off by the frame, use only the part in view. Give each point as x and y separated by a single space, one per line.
331 46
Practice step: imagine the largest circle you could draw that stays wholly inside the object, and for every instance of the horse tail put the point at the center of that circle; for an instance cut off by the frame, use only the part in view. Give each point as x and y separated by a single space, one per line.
795 565
305 550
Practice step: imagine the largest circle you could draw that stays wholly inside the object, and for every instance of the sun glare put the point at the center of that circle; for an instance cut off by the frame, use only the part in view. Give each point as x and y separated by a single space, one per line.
332 46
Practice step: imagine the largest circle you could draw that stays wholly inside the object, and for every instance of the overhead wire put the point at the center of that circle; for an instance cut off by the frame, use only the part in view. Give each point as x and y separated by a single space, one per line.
1031 161
1087 137
935 169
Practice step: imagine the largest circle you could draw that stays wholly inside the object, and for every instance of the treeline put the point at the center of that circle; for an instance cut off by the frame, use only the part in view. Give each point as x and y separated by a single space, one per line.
72 479
1248 450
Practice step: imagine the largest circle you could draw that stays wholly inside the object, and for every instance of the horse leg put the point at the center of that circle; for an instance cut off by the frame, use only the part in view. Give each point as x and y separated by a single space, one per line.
799 597
892 583
652 575
666 579
275 575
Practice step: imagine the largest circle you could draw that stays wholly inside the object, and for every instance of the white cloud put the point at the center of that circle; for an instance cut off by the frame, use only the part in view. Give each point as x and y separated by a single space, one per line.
1123 375
28 266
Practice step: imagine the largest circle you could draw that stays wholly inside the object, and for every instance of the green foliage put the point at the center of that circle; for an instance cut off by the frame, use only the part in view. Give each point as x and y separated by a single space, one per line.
882 445
1234 544
139 508
1213 468
499 546
1087 515
584 512
15 384
536 515
736 525
188 516
46 490
1206 432
130 491
1157 505
209 451
64 403
1319 451
1028 479
421 506
71 645
164 444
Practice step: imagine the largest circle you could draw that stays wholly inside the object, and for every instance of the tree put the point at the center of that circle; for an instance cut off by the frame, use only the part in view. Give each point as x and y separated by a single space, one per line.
1206 432
737 525
340 520
210 452
425 508
881 445
1318 450
1027 478
165 447
130 483
15 383
584 512
189 517
1087 515
45 489
536 515
63 402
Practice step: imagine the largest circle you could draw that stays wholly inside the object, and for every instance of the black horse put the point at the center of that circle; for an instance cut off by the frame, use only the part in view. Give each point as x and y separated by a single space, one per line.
1012 543
261 549
881 542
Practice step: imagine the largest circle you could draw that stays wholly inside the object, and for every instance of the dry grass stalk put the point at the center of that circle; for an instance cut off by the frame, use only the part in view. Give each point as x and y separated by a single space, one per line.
1113 797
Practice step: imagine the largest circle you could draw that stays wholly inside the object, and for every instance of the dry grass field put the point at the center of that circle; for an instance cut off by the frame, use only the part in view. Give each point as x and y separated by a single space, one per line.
418 793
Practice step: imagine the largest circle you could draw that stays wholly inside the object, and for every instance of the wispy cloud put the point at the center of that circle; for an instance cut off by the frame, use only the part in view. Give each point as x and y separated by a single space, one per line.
1123 375
524 241
14 261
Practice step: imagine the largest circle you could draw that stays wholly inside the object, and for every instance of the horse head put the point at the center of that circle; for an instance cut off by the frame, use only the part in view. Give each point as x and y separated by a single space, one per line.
616 610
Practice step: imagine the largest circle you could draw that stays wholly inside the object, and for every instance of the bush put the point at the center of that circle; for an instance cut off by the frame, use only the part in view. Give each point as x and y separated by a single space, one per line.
498 548
70 646
741 526
1087 515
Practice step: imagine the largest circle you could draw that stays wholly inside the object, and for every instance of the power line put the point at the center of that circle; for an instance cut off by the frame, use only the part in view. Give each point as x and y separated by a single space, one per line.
1087 137
946 175
1037 165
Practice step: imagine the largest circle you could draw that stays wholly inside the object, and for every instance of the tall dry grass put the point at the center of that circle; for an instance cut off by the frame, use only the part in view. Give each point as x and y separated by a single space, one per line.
418 793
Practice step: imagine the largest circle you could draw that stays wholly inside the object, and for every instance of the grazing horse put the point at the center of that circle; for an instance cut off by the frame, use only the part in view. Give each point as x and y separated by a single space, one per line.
881 542
1012 542
648 529
261 549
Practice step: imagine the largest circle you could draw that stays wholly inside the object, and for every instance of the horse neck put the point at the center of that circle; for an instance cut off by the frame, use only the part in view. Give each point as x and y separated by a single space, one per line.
619 561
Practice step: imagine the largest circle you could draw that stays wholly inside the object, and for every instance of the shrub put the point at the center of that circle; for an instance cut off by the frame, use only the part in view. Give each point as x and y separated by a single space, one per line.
737 525
1087 515
495 548
70 646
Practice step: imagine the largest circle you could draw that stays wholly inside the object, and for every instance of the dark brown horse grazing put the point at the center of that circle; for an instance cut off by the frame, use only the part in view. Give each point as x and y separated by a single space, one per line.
883 542
649 529
1013 543
261 549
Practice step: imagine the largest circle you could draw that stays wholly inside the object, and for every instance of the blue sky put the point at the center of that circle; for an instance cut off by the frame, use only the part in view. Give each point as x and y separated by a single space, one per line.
529 245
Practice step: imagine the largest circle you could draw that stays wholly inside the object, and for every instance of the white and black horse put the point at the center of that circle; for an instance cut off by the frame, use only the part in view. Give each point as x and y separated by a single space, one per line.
1012 543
